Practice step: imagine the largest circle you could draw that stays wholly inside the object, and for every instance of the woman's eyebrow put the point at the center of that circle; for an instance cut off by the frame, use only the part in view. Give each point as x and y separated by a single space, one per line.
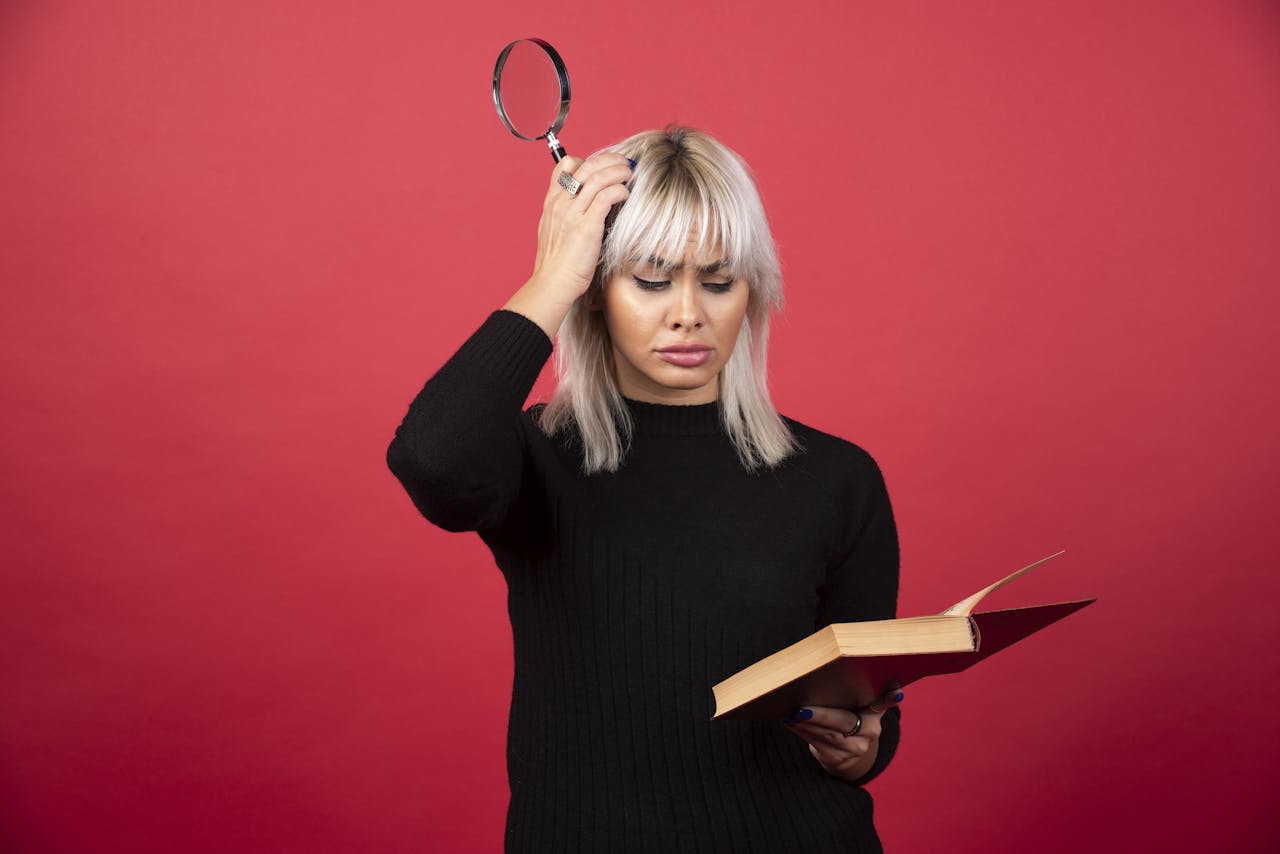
661 263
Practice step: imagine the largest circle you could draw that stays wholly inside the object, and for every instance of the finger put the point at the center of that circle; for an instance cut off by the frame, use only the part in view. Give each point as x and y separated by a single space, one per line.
594 178
833 756
829 755
845 721
607 198
838 764
888 701
603 160
568 165
616 166
868 732
832 744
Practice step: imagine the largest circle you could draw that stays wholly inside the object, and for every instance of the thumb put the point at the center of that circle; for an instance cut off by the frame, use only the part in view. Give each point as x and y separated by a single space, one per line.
889 700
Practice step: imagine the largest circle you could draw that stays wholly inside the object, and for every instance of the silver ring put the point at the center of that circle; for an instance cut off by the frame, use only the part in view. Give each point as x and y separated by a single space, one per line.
857 728
570 183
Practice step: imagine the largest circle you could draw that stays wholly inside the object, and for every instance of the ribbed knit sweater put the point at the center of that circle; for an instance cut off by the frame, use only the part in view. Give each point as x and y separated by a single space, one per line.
632 593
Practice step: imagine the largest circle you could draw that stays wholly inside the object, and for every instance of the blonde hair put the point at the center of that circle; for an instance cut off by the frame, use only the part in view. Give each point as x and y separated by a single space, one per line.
685 183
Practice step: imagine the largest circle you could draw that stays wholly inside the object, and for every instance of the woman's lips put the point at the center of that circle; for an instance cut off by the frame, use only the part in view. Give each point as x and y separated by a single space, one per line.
685 355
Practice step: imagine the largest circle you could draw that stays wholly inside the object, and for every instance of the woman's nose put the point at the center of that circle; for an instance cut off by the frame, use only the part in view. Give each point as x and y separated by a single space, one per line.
686 311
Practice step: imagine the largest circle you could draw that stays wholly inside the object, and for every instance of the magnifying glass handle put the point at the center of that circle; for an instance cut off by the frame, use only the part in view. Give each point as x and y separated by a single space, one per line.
557 150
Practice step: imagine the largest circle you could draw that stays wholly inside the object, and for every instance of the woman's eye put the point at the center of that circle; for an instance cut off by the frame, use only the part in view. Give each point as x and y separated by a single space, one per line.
647 285
718 287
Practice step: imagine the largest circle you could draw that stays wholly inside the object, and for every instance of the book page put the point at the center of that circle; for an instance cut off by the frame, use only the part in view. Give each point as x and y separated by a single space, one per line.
965 608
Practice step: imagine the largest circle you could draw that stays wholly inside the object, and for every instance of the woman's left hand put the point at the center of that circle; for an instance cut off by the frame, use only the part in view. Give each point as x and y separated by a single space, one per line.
842 746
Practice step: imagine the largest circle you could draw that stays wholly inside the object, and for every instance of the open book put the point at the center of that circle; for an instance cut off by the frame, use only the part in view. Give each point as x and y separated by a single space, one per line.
851 665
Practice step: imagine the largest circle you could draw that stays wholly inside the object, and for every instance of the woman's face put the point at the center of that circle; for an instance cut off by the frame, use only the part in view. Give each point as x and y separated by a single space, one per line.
673 329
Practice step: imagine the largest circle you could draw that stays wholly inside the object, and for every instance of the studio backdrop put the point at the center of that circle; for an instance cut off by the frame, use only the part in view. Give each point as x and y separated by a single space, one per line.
1030 265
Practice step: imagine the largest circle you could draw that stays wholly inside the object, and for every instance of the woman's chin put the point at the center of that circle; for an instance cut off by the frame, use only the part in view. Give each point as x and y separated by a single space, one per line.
687 380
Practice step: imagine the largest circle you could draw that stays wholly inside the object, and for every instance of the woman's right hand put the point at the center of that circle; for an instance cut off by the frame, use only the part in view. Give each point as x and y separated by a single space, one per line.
570 234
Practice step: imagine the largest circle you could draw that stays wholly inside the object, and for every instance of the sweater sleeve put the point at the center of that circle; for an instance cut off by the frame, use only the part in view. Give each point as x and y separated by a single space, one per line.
459 452
862 580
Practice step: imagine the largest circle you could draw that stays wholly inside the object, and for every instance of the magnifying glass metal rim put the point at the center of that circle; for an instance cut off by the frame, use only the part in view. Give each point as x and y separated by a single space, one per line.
562 74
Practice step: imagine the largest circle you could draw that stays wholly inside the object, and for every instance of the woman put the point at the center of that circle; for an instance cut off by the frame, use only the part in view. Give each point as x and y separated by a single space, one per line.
659 525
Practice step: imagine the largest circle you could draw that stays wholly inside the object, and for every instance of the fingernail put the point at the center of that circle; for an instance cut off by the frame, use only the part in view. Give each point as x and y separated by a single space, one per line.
633 164
898 699
800 715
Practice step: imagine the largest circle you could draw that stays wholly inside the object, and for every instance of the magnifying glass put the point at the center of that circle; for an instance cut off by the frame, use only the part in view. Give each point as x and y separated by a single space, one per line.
531 92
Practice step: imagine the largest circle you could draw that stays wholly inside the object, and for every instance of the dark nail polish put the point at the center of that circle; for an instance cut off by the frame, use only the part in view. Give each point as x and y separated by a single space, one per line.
898 699
800 715
633 164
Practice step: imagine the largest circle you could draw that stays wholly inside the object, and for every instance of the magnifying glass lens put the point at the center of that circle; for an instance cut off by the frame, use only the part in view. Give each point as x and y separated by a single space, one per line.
530 90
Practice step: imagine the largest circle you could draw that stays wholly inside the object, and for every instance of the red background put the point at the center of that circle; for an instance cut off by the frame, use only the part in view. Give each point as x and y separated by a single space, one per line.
1031 258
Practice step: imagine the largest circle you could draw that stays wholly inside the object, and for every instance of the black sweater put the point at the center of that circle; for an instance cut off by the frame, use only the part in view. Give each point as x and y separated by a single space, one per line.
632 593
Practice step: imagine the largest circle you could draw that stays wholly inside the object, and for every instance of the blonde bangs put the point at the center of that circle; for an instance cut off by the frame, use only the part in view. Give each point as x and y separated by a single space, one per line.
667 210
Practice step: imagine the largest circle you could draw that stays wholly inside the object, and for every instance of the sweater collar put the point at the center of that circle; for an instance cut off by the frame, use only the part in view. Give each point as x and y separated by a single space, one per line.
660 419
